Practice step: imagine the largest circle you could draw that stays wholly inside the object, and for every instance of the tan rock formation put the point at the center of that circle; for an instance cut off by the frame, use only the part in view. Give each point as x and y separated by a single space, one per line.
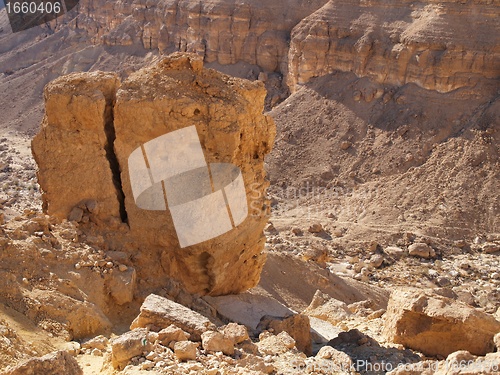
437 325
255 32
227 114
159 312
54 363
128 345
437 45
73 149
84 170
297 326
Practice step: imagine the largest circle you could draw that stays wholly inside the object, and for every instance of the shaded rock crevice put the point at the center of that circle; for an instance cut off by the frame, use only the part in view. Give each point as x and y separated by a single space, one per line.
109 129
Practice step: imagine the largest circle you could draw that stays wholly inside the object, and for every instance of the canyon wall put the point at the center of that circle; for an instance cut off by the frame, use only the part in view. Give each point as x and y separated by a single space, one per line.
223 31
439 45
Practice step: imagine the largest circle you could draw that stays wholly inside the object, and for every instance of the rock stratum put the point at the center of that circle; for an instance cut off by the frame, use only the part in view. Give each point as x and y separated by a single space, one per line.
93 124
439 45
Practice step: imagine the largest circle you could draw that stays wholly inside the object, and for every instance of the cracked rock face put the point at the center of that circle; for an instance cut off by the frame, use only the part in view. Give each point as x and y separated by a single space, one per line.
92 127
74 145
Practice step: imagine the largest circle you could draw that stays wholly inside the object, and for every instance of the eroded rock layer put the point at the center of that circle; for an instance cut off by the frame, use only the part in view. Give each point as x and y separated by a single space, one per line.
438 45
177 93
223 31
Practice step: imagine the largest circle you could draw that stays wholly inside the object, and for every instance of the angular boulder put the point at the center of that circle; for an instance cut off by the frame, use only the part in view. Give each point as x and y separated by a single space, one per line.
159 312
185 350
171 162
172 334
129 345
217 342
297 326
270 344
436 325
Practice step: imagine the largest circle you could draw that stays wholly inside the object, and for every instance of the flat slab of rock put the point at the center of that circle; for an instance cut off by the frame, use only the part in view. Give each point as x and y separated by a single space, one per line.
161 312
437 325
247 308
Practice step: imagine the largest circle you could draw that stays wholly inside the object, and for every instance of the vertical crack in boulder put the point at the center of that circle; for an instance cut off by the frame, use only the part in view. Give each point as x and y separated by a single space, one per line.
109 129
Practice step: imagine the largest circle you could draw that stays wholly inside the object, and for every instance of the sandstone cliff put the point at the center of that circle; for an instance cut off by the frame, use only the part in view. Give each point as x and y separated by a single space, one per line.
438 45
84 155
222 31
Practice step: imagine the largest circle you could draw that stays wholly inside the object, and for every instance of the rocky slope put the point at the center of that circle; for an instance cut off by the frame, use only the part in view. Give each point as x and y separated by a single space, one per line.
352 149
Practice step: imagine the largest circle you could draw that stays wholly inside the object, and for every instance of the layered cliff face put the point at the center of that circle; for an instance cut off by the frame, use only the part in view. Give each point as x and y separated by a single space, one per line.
438 45
111 155
223 31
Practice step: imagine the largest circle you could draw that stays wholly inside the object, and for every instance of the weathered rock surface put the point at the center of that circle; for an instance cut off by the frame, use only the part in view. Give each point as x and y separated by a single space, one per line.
159 312
128 345
122 286
79 318
185 350
73 149
437 46
421 250
327 308
217 342
94 127
54 363
437 325
275 344
227 113
223 31
172 334
297 326
236 332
